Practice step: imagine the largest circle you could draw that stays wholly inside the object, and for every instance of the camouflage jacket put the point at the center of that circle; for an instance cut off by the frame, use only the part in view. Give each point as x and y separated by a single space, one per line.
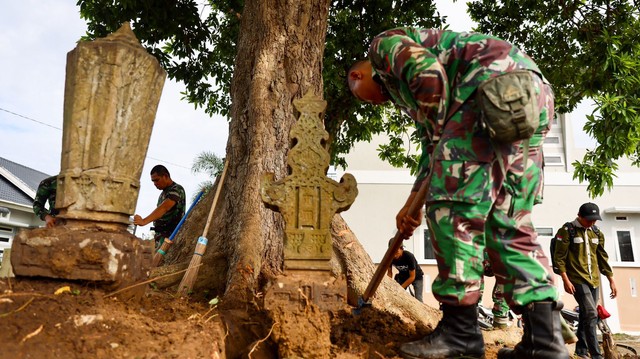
168 222
46 193
431 73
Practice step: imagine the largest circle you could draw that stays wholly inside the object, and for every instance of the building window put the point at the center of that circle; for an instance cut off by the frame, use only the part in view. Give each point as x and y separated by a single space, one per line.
553 160
625 247
6 234
552 140
429 253
545 231
621 218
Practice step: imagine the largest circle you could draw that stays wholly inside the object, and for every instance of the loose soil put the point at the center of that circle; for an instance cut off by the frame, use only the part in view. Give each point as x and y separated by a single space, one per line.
87 322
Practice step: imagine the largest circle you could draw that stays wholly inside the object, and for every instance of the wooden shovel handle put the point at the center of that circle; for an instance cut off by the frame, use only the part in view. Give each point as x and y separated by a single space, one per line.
414 211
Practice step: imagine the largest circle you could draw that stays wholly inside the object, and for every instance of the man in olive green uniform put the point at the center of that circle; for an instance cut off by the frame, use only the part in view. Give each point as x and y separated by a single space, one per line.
580 257
46 193
171 205
480 193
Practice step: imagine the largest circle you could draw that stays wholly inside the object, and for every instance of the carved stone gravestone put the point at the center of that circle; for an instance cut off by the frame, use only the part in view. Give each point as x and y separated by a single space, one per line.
112 89
308 200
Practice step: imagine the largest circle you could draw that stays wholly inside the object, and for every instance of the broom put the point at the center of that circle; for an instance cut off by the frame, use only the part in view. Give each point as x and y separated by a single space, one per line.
192 272
157 257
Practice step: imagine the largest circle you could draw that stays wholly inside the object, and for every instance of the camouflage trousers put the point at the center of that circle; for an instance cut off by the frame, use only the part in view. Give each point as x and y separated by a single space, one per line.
461 232
500 306
473 204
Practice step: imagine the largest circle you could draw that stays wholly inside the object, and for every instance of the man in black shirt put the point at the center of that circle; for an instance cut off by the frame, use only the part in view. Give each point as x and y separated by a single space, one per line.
409 272
171 205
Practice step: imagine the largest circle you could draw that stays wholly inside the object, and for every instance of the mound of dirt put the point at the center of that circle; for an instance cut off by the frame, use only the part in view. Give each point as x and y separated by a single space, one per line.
83 323
87 322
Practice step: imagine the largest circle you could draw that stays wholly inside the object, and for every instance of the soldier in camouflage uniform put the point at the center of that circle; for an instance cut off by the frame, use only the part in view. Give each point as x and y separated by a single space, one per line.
500 309
171 205
46 193
471 203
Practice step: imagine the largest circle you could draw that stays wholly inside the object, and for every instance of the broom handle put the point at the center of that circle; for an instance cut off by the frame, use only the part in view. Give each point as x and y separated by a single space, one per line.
414 210
175 230
215 198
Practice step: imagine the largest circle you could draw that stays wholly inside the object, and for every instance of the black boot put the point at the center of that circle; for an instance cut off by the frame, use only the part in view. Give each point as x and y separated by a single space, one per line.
542 337
456 336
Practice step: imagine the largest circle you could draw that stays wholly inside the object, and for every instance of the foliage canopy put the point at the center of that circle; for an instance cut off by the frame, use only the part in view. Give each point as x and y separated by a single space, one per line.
210 164
587 49
196 43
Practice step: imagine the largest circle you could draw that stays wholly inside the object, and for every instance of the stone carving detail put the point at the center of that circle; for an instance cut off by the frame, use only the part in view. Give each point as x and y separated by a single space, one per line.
113 86
307 198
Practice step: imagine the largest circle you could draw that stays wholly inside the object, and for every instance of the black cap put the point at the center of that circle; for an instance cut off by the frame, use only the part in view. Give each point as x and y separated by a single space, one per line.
590 212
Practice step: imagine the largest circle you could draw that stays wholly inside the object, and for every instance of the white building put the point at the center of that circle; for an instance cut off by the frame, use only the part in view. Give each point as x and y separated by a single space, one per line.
18 186
383 190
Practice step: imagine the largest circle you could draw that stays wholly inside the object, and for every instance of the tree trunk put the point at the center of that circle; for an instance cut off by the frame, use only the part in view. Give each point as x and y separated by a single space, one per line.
280 51
279 59
359 269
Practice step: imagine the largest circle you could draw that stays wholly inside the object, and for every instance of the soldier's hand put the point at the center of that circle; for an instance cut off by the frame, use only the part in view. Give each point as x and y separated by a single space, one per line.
400 217
137 220
50 221
407 224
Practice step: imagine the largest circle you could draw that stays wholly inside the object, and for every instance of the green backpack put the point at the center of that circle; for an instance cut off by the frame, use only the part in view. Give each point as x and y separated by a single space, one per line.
510 110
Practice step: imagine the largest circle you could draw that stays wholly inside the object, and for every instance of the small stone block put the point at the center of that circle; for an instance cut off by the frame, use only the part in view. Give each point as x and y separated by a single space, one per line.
83 254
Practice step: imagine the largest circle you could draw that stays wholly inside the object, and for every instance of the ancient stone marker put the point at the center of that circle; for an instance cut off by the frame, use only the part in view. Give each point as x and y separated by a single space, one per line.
112 91
308 200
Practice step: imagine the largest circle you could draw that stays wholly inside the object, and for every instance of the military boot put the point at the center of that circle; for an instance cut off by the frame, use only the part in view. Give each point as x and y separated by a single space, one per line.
500 322
542 338
456 336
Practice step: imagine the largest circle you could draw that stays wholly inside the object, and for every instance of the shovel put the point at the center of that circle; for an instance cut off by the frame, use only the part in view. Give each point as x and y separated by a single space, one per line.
414 211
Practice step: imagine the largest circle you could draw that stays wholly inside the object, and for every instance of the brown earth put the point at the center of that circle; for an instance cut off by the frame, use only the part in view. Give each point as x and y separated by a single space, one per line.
88 322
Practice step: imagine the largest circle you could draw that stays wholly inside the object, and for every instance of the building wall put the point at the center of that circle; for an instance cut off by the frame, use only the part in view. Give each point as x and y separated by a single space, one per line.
20 217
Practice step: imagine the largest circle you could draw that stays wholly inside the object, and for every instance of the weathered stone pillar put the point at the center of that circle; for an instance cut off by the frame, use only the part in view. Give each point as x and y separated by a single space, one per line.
112 90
